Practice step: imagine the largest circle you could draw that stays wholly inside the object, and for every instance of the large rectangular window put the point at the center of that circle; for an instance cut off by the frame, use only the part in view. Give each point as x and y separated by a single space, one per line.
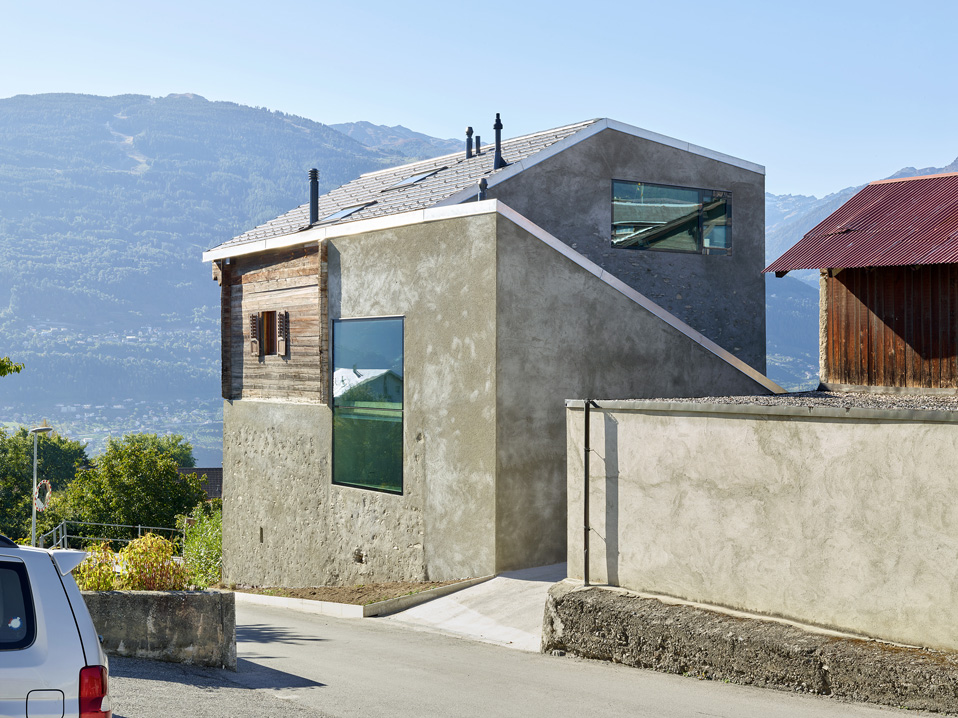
670 219
367 393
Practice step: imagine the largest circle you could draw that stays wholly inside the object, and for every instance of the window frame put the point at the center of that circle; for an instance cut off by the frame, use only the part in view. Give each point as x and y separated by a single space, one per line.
359 411
269 334
20 568
701 248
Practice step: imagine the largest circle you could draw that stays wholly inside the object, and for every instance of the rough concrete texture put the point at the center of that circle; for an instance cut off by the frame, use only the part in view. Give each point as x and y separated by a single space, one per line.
647 633
562 333
286 524
178 626
836 517
722 296
440 277
499 329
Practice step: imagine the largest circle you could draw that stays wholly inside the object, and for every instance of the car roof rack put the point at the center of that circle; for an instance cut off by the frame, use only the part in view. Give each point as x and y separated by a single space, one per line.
4 541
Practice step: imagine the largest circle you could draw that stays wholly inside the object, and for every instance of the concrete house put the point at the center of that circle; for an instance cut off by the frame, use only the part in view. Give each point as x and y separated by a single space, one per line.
889 285
397 352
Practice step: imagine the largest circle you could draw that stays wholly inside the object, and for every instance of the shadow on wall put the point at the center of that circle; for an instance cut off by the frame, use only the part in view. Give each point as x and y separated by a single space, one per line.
611 499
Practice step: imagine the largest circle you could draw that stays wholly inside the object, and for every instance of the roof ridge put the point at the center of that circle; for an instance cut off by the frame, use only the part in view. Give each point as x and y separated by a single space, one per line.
909 179
462 152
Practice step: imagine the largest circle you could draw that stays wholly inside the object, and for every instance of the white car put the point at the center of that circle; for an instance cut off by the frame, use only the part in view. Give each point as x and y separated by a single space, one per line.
51 661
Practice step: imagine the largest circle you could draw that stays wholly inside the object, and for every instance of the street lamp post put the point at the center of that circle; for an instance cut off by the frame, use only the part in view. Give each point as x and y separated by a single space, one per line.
33 497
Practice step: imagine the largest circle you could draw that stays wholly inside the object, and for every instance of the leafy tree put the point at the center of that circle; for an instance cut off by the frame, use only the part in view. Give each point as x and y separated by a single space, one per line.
174 445
7 366
134 482
58 459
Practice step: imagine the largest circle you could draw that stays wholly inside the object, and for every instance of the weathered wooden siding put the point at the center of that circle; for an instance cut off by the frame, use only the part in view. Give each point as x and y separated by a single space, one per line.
893 326
284 281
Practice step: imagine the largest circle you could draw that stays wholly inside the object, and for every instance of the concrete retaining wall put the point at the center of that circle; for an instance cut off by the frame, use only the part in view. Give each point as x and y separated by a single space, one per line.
687 640
178 626
841 518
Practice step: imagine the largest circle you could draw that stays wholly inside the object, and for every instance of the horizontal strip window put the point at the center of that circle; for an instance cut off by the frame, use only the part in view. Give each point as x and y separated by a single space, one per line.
666 218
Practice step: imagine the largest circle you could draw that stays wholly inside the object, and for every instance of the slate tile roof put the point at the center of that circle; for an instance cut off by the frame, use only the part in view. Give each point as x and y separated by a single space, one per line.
453 173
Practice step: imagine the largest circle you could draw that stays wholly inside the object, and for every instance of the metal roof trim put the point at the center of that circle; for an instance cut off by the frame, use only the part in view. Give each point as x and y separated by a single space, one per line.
373 224
686 146
910 179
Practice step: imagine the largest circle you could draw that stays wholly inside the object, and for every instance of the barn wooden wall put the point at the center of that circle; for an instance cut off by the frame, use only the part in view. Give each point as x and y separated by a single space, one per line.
893 326
281 280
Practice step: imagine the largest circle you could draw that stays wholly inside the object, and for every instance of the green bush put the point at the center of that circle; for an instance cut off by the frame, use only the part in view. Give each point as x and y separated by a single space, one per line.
146 564
98 570
203 549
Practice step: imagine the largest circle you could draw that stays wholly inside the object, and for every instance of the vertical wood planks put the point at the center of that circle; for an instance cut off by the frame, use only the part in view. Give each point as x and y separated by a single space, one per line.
893 326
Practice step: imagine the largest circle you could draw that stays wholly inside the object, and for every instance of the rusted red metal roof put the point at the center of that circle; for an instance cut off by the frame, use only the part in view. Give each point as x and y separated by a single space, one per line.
907 221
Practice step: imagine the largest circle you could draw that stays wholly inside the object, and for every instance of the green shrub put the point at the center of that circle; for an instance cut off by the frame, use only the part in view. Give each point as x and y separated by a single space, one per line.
146 564
203 549
98 570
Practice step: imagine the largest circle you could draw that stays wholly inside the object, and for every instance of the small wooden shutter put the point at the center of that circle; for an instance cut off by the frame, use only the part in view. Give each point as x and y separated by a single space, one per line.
282 333
254 334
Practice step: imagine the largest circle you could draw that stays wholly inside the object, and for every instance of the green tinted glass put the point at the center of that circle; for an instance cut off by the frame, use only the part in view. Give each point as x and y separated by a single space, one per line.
368 403
673 219
367 449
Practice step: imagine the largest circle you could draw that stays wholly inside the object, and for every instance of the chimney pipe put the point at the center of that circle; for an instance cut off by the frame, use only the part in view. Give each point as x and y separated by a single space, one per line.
483 186
478 146
498 161
313 196
468 142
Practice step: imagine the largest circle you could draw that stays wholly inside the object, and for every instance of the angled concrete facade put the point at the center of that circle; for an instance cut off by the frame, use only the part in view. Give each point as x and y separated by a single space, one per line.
569 194
502 322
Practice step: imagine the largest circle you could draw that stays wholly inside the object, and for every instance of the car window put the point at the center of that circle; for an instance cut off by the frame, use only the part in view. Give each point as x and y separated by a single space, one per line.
17 625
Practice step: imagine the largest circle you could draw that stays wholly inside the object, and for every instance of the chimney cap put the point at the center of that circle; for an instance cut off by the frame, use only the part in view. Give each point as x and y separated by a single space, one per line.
468 132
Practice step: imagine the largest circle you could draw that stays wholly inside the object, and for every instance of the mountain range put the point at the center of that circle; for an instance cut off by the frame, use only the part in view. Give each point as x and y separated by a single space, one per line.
106 204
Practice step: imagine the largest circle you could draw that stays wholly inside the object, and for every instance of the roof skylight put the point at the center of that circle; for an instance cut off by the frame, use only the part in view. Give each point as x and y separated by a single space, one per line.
414 179
344 212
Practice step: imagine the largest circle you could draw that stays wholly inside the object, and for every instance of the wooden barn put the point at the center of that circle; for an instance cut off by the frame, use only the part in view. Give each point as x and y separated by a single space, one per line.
889 285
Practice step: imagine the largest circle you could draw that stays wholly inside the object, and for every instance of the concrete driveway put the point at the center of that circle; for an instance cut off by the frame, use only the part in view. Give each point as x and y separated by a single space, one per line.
506 610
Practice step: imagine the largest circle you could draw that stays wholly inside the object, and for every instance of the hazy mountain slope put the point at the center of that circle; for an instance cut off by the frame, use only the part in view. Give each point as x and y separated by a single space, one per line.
400 140
791 336
106 204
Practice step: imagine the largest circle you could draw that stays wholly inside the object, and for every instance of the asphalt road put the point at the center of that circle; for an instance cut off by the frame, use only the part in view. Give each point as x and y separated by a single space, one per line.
303 665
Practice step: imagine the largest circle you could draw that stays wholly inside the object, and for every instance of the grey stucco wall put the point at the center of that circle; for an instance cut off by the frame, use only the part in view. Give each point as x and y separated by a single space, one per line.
563 332
277 465
841 518
440 277
570 196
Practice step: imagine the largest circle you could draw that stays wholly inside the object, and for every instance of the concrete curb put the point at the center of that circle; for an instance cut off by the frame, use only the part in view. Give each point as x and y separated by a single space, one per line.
348 610
676 638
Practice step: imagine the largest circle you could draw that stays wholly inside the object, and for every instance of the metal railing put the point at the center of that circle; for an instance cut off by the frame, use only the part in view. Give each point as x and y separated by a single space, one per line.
61 535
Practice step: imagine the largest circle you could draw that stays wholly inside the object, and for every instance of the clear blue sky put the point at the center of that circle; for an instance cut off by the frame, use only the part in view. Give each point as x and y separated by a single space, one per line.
824 94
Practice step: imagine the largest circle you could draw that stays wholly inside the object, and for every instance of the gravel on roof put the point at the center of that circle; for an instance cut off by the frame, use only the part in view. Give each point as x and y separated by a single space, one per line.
838 400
